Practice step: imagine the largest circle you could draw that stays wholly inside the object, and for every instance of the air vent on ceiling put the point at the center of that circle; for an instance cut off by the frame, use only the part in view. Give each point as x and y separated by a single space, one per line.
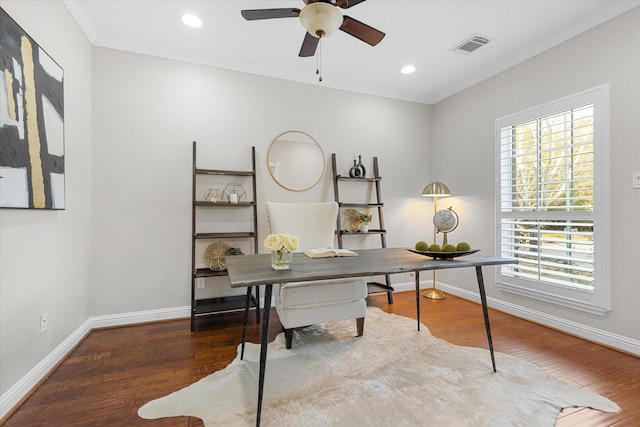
470 44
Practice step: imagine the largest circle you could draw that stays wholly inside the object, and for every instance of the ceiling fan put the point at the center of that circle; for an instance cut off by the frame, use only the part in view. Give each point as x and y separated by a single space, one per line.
321 18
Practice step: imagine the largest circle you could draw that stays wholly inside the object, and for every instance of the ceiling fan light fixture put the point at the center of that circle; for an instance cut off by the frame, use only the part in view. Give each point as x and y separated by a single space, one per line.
321 19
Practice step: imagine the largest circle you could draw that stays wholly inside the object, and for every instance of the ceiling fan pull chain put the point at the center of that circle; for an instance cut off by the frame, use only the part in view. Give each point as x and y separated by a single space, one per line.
319 60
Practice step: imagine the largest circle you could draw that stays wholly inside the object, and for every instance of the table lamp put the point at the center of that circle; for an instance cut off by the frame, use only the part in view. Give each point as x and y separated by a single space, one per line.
435 189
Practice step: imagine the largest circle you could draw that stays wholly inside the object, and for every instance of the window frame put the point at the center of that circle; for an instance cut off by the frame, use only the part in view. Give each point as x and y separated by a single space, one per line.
599 301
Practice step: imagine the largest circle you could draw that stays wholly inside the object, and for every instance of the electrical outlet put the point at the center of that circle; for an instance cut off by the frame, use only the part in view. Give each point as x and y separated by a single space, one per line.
636 180
200 283
44 323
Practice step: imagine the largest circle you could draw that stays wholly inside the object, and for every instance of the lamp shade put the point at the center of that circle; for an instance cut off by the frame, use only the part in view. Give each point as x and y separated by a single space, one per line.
436 188
320 19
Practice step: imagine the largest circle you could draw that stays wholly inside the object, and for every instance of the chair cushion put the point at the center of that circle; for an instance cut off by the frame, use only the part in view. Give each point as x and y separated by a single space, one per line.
321 293
298 317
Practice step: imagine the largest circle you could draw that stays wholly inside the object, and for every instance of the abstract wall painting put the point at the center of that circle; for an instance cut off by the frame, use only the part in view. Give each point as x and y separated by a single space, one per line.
32 173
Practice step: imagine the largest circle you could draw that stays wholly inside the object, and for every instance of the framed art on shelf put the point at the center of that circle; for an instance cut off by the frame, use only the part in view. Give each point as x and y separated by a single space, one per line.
32 172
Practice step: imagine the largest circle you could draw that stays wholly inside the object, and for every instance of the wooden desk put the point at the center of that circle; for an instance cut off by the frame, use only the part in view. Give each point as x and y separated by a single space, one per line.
255 270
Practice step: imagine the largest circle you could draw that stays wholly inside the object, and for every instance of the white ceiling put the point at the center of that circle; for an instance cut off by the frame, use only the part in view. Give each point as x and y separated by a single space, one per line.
417 32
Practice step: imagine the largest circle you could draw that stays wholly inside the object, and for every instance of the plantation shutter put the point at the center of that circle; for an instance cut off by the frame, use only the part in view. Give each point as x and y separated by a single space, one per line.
546 201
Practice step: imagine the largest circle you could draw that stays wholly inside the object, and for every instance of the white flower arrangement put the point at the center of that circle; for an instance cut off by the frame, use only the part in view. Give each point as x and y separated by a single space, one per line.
278 242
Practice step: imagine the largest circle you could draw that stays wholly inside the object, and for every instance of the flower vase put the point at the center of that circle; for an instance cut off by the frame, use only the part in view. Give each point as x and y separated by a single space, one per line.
281 260
364 228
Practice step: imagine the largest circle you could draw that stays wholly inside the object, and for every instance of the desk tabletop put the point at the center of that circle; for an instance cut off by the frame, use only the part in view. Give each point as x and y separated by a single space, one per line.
255 270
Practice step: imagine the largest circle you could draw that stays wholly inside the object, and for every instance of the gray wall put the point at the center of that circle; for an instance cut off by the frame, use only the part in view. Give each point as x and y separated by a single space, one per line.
147 111
45 256
607 53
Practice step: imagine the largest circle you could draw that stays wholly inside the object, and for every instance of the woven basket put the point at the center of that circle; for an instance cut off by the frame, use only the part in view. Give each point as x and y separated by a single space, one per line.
351 221
214 256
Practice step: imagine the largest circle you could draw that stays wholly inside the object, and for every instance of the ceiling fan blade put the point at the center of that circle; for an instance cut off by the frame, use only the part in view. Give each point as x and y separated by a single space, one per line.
254 14
309 45
346 4
361 31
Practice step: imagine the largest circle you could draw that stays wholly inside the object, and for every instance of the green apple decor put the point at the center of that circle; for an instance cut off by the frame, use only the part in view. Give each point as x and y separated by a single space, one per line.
422 246
463 246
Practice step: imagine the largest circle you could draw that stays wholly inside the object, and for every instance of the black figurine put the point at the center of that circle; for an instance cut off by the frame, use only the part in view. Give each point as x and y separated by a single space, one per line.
355 171
363 171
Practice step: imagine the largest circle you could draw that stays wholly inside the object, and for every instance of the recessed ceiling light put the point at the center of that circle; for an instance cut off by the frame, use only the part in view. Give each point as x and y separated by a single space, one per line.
408 69
191 21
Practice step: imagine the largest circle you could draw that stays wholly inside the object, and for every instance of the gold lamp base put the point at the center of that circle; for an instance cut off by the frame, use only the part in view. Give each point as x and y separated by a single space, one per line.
433 293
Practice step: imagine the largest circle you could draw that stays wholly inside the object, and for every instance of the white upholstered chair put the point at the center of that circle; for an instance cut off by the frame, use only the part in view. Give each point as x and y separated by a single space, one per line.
307 303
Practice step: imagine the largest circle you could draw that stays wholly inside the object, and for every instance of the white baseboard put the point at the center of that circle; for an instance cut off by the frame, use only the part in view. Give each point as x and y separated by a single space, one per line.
606 338
111 320
18 391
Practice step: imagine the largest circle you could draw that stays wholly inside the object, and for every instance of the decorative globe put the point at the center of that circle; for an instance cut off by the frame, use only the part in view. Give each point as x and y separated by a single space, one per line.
445 220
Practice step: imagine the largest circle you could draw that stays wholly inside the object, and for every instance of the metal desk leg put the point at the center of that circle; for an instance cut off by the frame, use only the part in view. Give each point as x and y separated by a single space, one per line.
263 347
257 304
485 312
246 321
418 298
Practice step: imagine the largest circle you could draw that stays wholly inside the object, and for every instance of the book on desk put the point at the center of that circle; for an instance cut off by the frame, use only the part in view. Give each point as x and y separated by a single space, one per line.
329 253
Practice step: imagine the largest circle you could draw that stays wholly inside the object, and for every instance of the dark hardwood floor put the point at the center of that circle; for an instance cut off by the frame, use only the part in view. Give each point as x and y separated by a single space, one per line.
114 371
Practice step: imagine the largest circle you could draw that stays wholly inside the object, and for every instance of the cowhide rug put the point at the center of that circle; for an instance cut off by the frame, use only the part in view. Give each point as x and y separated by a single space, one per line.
391 376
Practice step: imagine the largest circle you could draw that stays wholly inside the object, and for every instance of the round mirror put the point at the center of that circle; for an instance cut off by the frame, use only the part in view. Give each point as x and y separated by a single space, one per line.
295 161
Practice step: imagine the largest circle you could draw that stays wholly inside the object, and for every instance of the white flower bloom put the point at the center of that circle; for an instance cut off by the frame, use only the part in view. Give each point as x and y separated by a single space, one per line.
290 243
276 242
272 242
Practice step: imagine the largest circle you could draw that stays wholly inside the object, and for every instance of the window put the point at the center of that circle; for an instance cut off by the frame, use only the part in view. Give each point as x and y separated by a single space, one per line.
552 215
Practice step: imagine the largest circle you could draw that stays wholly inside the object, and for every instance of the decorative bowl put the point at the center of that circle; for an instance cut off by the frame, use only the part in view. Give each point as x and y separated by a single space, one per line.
444 255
